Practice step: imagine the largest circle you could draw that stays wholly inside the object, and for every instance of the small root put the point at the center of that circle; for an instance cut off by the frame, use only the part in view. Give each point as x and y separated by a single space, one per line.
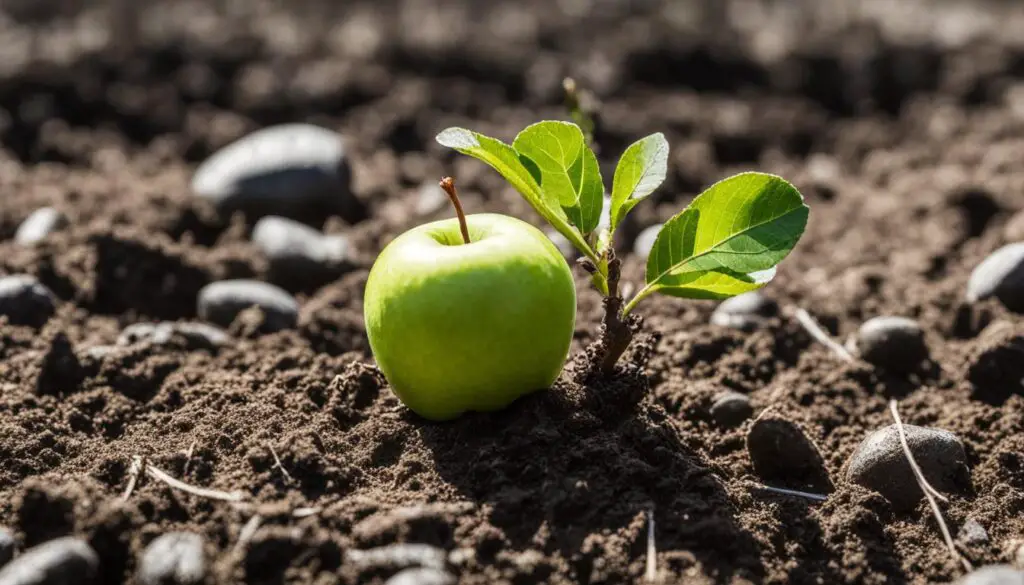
651 569
819 334
788 492
277 463
930 493
248 531
188 458
211 494
133 476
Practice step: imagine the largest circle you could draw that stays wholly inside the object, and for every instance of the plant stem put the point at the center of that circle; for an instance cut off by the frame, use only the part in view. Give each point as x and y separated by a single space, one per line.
617 329
448 184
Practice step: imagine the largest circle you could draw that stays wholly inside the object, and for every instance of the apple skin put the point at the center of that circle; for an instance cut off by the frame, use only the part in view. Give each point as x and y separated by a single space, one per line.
457 327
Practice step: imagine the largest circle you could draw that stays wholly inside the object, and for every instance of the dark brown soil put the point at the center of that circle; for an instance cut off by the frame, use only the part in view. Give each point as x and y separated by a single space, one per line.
904 131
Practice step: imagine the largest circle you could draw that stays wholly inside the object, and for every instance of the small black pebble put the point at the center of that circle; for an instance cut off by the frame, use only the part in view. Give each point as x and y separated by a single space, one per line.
422 576
972 533
644 241
220 302
781 451
745 312
64 561
294 249
730 409
1001 275
7 546
993 575
893 343
26 301
175 558
293 170
41 223
879 464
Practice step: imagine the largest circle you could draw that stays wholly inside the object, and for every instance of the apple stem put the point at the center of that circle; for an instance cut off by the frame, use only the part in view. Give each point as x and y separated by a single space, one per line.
448 184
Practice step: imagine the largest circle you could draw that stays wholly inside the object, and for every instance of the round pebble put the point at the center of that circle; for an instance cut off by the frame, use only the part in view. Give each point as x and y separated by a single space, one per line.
644 241
7 546
993 575
41 223
64 561
220 302
780 450
26 301
880 464
175 558
745 312
1001 275
422 576
893 343
293 170
295 249
730 409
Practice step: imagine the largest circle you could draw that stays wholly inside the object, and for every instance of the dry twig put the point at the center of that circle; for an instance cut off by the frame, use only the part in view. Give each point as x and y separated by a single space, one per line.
188 457
248 531
161 475
133 476
651 572
819 334
930 493
788 492
277 463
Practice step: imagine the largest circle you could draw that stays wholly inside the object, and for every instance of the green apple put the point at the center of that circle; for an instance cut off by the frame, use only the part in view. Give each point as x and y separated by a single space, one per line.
456 327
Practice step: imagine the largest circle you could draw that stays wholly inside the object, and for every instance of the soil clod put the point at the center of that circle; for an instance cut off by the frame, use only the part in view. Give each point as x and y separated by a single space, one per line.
221 302
879 464
194 335
972 533
1000 275
782 452
994 366
63 561
893 343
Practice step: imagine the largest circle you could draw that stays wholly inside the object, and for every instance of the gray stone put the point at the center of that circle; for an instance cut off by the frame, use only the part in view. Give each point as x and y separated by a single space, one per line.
1001 275
780 450
993 575
746 311
64 561
220 302
730 409
26 301
196 335
293 170
7 546
644 241
879 464
422 576
175 558
294 249
41 223
893 343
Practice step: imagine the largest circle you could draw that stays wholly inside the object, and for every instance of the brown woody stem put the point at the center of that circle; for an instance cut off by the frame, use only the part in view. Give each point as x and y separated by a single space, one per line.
448 184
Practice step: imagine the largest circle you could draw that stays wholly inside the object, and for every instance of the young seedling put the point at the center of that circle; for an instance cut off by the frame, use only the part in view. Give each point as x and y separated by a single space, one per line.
726 242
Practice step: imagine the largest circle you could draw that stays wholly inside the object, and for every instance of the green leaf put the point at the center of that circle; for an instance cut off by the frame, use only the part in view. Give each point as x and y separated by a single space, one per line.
640 171
504 159
728 240
566 170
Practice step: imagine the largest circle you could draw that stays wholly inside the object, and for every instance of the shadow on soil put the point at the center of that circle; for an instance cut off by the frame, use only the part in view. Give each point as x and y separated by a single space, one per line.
573 469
